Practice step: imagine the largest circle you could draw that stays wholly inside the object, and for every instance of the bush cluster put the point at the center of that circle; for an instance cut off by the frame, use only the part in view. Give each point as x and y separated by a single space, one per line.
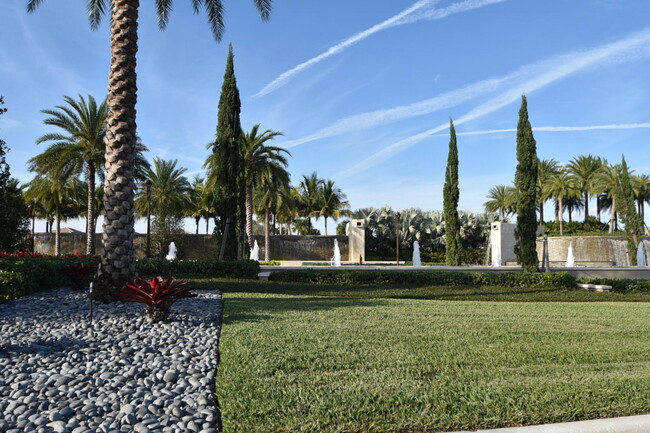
473 256
11 285
440 278
207 268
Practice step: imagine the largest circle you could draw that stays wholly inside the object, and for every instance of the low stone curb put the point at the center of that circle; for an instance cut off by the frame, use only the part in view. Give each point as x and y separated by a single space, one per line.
627 424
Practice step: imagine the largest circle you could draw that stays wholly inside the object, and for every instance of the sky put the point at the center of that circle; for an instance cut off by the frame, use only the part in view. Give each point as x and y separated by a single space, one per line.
362 90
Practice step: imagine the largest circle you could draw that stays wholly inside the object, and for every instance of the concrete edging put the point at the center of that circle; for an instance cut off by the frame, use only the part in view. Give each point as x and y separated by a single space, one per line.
627 424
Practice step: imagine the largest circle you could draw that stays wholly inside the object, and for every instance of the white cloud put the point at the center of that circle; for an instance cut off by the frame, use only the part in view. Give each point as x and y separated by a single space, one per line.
540 75
420 10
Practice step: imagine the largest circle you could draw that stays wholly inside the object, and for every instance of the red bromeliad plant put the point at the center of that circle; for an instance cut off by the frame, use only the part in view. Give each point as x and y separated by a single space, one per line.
157 294
77 273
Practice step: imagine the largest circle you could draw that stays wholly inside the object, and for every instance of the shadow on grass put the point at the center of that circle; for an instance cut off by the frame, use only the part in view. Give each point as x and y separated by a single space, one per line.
259 309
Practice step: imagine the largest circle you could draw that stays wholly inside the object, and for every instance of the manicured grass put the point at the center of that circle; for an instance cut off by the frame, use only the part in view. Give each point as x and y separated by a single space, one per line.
455 293
341 364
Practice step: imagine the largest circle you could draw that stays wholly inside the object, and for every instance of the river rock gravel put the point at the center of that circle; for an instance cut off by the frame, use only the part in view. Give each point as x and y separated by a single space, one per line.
125 374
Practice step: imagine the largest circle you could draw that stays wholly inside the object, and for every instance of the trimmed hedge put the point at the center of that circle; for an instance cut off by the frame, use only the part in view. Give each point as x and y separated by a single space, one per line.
11 285
441 278
207 268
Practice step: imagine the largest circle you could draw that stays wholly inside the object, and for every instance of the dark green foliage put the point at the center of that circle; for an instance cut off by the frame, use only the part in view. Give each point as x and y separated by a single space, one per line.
451 194
442 278
628 214
163 232
11 285
592 227
469 256
209 268
14 219
229 164
620 284
526 186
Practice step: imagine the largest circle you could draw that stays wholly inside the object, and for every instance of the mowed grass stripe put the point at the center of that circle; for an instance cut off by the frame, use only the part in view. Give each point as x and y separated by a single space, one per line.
325 364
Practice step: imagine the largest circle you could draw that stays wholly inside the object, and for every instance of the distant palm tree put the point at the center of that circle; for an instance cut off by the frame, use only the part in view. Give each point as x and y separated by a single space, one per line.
261 162
332 203
79 147
585 171
202 203
641 186
562 186
118 260
502 200
170 190
273 194
609 182
546 168
309 189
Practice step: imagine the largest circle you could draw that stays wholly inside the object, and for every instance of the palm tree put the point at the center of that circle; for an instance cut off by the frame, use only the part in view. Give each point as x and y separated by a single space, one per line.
562 185
332 203
641 186
585 171
309 189
261 163
118 259
609 182
80 147
546 168
201 204
273 193
502 200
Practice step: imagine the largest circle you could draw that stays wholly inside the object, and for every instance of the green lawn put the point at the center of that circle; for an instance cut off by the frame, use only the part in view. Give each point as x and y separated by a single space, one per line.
364 364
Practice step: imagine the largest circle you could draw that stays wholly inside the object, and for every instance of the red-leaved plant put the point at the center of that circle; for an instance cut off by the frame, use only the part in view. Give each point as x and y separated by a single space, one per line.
77 273
157 294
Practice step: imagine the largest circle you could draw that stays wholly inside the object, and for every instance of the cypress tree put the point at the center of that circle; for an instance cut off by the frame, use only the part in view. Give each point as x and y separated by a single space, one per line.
230 164
629 216
451 194
526 187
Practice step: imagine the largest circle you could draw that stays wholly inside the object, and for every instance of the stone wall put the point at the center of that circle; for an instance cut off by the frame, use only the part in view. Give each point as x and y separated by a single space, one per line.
189 246
593 251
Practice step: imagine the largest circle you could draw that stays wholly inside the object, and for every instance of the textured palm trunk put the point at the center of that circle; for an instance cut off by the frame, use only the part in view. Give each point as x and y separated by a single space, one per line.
267 237
559 202
118 259
586 206
598 208
90 219
197 220
325 226
541 213
207 222
612 220
249 215
57 234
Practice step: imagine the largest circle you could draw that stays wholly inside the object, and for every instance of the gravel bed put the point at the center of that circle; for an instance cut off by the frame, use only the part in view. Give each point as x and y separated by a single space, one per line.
125 374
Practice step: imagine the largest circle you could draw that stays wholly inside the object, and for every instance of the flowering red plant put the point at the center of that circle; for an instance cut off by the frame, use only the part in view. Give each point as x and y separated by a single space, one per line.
157 294
77 272
21 254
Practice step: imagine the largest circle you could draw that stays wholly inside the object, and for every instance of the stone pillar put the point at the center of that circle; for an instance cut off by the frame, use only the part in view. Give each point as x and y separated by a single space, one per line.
356 231
503 241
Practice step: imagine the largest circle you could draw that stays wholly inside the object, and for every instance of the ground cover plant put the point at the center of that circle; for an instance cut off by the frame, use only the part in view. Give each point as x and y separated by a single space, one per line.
333 364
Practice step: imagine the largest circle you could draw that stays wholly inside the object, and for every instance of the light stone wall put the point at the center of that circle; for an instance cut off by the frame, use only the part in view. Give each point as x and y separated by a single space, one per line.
502 238
356 232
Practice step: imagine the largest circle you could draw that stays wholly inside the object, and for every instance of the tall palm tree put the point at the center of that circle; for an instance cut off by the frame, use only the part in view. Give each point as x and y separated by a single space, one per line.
502 200
332 202
273 194
585 171
80 146
641 186
561 186
261 163
118 259
609 182
546 168
309 189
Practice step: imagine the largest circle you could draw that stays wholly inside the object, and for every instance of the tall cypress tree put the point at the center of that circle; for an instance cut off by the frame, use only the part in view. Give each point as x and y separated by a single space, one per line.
451 194
229 168
526 187
627 211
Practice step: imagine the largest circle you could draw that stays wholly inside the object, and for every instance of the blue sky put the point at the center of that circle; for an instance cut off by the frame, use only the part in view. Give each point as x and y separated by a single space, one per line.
362 89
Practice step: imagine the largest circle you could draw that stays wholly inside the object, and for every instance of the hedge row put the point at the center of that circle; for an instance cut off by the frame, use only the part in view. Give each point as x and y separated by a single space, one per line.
11 285
207 268
474 256
441 278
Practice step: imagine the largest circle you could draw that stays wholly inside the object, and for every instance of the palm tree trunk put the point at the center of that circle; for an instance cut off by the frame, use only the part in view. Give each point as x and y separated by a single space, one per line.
207 223
598 209
90 220
570 215
267 237
541 213
559 214
118 258
586 206
57 234
325 226
612 219
249 214
197 220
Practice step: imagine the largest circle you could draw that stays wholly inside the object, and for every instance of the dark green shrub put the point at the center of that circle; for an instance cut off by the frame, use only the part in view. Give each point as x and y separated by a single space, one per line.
440 278
11 285
207 268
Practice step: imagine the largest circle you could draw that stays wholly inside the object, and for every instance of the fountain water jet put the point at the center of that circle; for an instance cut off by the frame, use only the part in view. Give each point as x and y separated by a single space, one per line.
336 260
171 254
640 255
417 261
255 252
570 258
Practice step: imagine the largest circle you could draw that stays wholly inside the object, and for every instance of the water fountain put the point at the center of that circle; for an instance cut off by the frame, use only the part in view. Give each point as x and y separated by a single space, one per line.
640 255
417 261
171 255
570 258
336 260
255 252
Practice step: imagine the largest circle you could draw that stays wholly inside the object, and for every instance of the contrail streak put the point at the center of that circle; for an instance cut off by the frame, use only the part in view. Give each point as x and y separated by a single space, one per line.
402 18
635 46
564 128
